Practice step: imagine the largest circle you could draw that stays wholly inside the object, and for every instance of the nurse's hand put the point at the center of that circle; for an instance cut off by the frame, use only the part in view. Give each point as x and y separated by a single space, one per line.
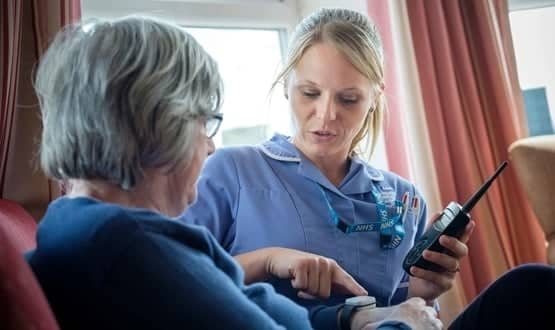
429 285
313 275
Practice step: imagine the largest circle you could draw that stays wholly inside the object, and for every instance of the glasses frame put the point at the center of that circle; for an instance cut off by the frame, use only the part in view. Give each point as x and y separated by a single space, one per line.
211 132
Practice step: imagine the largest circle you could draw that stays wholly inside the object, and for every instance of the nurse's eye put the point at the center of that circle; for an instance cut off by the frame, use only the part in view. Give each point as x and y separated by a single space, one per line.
348 100
311 93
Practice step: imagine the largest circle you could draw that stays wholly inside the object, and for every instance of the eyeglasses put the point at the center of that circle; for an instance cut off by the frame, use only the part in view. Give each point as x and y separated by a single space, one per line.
212 124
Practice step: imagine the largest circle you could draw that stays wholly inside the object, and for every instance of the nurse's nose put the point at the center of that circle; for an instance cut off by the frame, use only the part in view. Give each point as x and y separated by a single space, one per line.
326 109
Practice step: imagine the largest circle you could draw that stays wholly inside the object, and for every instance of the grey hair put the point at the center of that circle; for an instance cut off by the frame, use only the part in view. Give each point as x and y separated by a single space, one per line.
118 97
358 39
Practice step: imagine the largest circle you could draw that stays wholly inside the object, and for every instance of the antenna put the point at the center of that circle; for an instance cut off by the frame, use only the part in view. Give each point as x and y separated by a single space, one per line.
478 194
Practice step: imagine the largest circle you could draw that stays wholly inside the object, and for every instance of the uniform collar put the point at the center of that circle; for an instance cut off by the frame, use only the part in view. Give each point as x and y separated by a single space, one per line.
281 148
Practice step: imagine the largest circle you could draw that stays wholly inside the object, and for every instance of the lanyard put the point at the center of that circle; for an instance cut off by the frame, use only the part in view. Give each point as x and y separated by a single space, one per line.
391 227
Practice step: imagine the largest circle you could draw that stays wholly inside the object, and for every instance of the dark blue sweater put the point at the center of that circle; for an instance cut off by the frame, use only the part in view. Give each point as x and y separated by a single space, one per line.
103 266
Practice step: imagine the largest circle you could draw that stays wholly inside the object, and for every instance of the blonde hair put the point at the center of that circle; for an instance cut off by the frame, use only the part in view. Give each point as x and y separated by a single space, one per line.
357 38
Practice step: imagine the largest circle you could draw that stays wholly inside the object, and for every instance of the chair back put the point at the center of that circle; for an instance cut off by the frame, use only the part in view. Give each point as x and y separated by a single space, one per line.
18 225
23 305
533 159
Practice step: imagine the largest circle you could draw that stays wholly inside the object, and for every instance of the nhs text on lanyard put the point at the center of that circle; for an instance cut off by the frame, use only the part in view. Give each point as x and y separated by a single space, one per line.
390 226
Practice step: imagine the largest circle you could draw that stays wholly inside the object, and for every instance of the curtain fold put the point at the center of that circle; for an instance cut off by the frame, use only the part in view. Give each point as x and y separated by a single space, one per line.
10 41
27 28
394 122
474 111
50 16
420 152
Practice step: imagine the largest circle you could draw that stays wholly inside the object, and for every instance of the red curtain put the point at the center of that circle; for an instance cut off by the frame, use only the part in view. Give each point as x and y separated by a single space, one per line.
474 110
394 125
10 41
27 28
50 16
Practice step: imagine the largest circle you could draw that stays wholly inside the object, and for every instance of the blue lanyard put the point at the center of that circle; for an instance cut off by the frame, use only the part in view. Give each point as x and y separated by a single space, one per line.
391 227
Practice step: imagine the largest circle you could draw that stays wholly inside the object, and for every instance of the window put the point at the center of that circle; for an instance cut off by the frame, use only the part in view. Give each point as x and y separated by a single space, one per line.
533 31
248 60
247 39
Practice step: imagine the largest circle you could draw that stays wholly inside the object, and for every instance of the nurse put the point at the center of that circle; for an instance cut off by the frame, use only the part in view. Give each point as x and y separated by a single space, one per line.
312 191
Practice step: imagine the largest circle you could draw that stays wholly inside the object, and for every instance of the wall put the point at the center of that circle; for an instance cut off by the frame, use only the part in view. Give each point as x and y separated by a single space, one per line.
239 13
232 13
305 7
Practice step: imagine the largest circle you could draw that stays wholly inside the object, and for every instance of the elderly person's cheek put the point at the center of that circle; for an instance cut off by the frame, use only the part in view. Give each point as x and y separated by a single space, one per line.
210 147
183 189
204 147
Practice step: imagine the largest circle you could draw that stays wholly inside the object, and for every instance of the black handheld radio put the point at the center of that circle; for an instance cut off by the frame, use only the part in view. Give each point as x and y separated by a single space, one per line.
452 222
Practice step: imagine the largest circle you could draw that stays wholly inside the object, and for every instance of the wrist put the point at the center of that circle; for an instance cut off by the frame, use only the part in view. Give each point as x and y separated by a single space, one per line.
371 317
391 324
361 318
429 299
429 302
256 264
356 312
419 288
269 256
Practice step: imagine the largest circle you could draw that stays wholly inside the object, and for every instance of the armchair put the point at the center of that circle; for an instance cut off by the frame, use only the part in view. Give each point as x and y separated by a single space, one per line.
533 159
23 305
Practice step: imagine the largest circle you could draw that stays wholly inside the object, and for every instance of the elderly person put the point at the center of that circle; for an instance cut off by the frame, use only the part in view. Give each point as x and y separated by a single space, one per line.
129 108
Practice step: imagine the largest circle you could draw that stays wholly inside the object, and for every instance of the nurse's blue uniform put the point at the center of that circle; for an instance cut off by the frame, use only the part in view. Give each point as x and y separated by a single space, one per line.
251 197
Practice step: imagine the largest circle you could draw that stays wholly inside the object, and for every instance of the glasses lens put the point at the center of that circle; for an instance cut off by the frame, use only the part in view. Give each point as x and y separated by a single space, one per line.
212 125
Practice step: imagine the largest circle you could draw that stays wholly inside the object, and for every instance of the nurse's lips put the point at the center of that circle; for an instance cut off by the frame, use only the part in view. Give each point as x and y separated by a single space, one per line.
323 135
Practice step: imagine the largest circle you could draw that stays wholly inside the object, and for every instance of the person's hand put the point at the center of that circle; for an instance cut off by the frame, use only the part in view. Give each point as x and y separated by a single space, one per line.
413 312
428 284
313 275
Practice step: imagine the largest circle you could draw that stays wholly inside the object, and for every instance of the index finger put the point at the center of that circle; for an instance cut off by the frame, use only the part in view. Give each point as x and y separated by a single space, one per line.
345 283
